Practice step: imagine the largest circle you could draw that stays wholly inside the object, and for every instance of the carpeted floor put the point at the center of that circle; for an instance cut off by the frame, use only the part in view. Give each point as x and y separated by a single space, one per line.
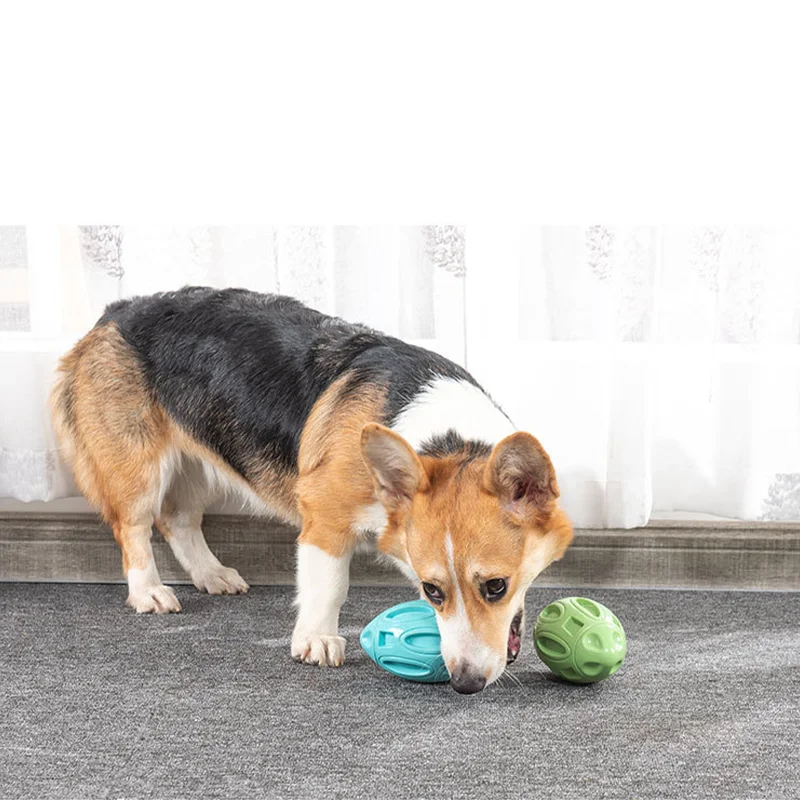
97 702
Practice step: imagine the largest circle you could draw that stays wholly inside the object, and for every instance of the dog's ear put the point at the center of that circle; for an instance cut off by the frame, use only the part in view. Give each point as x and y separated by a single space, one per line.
521 475
396 471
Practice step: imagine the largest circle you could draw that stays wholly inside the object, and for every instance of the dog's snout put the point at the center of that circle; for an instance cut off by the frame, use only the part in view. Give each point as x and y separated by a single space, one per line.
466 680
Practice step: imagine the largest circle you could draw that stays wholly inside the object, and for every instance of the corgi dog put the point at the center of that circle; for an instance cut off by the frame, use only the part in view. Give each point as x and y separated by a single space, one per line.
354 436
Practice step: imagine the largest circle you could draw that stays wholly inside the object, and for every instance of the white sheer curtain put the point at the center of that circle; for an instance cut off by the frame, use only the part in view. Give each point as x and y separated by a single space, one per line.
660 366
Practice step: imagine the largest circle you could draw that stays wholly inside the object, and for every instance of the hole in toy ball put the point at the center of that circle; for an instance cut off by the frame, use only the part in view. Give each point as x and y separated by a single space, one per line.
406 669
590 606
551 647
617 637
553 612
592 669
573 625
427 643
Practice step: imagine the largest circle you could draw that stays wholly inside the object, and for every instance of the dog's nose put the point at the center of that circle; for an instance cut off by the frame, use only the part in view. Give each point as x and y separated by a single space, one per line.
467 681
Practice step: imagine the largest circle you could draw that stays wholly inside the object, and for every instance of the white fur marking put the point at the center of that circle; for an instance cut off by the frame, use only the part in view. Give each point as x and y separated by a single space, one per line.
207 482
370 519
369 523
452 404
139 580
147 594
169 465
189 545
322 583
190 548
459 642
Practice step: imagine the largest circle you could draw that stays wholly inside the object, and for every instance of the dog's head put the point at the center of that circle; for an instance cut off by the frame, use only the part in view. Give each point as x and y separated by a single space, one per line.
475 528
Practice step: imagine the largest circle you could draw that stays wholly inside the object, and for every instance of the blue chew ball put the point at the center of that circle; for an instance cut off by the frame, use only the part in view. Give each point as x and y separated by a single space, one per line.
405 641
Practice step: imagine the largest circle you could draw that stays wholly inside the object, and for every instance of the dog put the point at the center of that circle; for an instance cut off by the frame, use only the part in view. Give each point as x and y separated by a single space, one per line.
354 436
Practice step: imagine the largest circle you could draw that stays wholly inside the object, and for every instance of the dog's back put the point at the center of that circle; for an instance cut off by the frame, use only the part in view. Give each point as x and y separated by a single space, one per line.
241 371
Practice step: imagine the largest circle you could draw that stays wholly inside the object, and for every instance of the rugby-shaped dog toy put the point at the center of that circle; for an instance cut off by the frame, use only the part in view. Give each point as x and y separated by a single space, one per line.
405 641
580 639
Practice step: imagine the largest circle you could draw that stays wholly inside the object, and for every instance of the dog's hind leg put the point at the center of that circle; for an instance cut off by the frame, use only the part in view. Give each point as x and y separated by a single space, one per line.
180 521
146 593
114 435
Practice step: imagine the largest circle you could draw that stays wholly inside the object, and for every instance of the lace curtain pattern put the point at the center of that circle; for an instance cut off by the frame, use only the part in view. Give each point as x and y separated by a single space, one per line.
659 366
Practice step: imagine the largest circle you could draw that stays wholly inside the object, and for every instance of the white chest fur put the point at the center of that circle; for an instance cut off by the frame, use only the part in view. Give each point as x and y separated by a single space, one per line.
370 520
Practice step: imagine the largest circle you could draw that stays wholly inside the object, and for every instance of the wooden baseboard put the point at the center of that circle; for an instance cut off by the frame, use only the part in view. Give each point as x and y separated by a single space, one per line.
79 548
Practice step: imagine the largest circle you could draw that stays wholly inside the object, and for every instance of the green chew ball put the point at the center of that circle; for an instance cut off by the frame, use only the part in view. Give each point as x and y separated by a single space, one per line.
580 640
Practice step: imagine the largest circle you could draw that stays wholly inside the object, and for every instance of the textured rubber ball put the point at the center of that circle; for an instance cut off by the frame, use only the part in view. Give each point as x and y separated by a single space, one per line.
580 640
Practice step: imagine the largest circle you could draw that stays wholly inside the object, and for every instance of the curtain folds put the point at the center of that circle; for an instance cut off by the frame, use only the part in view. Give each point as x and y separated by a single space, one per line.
660 366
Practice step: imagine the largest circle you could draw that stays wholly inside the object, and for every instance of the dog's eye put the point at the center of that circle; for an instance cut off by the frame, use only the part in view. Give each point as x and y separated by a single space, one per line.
494 589
433 593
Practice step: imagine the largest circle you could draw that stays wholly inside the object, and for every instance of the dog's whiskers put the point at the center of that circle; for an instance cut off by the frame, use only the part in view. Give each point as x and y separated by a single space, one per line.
513 679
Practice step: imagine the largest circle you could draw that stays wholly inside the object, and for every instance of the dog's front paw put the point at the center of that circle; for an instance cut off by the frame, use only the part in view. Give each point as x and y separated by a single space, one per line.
220 580
154 600
326 651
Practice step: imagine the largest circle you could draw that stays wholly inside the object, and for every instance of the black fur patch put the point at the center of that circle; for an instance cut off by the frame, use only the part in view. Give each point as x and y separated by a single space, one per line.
241 371
453 444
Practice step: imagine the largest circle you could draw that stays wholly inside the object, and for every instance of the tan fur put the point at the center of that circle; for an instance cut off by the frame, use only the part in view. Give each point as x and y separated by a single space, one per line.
333 481
112 432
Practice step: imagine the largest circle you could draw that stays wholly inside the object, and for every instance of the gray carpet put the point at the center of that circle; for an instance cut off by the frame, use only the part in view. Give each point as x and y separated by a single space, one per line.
97 702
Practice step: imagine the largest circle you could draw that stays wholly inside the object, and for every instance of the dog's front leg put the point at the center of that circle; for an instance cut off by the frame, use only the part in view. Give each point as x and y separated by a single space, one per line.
322 583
